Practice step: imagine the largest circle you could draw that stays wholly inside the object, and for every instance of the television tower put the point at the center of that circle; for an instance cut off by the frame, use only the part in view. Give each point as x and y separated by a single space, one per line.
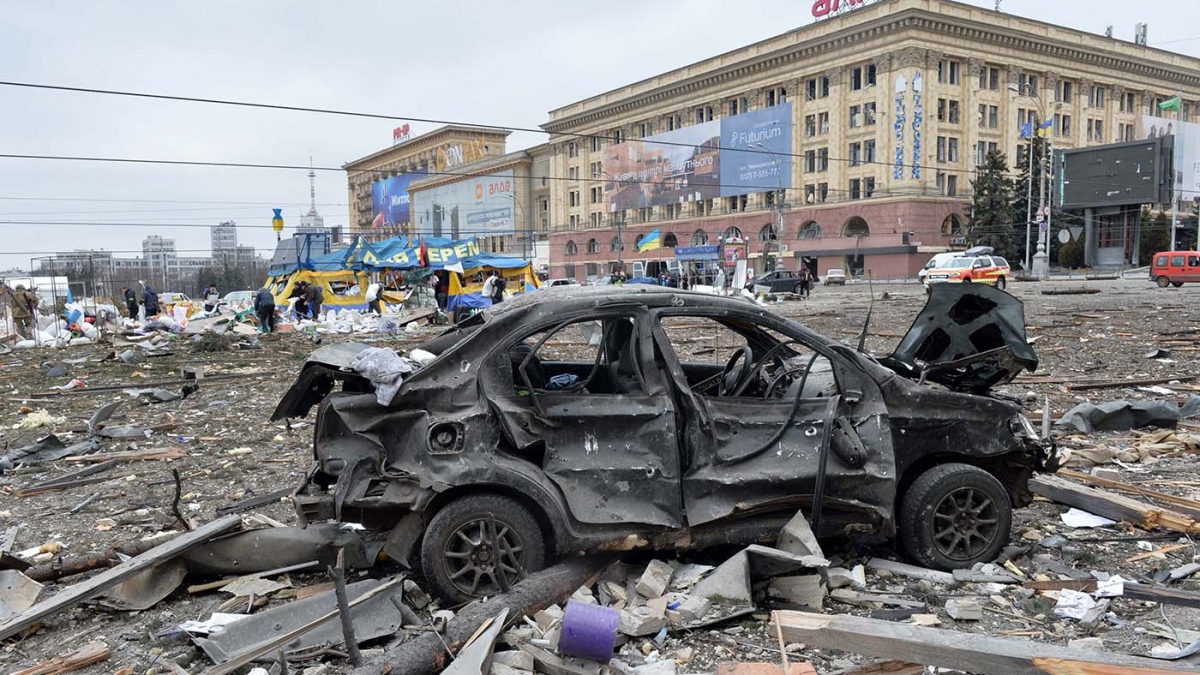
312 187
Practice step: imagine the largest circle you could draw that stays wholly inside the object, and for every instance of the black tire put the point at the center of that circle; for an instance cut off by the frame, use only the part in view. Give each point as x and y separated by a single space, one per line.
1001 284
798 289
972 503
456 534
1162 282
967 280
1176 284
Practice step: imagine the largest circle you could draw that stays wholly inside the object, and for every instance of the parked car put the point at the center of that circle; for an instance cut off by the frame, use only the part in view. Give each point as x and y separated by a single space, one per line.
508 449
991 270
555 283
605 280
1175 268
237 300
835 277
941 258
169 301
779 281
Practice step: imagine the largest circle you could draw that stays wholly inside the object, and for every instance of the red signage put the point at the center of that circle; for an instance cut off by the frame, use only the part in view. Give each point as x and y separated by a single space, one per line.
823 8
401 133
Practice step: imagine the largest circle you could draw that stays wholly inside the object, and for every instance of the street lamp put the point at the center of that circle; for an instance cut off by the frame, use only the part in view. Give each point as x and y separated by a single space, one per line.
527 239
1041 259
1029 182
768 265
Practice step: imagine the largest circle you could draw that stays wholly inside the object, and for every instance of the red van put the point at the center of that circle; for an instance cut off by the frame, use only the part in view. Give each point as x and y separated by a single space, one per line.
1175 268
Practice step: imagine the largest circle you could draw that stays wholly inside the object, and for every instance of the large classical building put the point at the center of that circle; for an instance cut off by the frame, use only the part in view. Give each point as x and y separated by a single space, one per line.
871 123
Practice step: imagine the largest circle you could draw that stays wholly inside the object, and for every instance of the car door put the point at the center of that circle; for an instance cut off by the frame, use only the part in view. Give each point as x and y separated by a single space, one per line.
743 452
608 439
1192 274
784 282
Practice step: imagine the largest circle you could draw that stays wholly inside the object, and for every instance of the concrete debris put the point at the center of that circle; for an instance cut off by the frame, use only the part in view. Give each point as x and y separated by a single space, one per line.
655 579
964 609
807 590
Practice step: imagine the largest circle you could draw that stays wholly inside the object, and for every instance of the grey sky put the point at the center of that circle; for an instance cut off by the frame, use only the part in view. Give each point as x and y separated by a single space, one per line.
504 63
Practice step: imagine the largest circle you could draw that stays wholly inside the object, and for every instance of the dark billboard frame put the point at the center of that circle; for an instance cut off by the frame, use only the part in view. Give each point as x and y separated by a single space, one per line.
1117 174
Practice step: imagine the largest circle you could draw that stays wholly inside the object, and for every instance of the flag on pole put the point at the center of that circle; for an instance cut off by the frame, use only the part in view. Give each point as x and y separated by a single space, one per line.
650 242
1044 129
1027 130
1175 104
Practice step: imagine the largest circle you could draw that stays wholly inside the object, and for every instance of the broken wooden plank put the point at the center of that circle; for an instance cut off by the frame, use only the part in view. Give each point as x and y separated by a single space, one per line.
970 652
426 653
1162 594
911 571
214 585
1113 384
69 477
1151 554
1081 585
86 590
256 501
131 455
852 597
1190 507
146 385
92 653
1111 506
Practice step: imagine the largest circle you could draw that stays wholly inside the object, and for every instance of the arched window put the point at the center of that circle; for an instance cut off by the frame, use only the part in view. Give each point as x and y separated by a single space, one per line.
638 242
572 249
670 240
733 233
810 230
856 227
952 226
767 233
593 246
616 244
699 238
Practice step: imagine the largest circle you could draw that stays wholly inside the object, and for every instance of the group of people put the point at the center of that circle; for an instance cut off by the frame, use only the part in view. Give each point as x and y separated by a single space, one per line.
24 303
309 298
149 300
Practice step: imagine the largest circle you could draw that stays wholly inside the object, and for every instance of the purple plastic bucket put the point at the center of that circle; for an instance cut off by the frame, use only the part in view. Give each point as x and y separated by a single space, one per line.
589 631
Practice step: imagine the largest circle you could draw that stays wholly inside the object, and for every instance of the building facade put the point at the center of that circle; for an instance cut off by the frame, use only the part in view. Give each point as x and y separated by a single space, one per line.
378 183
882 113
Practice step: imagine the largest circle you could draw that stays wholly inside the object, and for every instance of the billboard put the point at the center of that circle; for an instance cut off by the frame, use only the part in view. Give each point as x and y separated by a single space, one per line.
478 206
390 200
1187 152
1138 172
723 158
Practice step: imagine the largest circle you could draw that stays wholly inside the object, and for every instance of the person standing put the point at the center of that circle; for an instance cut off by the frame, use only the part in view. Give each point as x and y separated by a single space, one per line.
301 305
131 303
24 308
373 291
498 286
806 281
314 295
150 301
264 307
489 288
211 298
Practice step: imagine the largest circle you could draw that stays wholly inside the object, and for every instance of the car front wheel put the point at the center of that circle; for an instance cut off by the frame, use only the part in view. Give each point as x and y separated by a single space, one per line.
1000 283
480 545
1162 282
954 516
1176 284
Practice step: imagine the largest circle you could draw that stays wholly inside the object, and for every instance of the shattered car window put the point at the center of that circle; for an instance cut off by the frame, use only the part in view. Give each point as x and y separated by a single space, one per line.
586 356
723 357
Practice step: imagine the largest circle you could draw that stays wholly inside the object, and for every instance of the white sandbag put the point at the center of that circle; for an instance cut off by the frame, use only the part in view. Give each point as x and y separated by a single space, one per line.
25 344
75 342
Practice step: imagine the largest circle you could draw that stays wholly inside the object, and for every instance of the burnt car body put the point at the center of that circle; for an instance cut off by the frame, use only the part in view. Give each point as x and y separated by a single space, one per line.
501 452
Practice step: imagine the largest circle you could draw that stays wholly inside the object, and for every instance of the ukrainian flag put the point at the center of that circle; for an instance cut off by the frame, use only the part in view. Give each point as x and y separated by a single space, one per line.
650 242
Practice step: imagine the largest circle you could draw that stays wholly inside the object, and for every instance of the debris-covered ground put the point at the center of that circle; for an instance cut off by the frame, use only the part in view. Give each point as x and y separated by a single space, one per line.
218 439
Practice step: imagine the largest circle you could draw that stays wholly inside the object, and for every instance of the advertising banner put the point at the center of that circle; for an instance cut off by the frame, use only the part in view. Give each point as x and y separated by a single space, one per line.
1187 152
734 156
477 206
390 200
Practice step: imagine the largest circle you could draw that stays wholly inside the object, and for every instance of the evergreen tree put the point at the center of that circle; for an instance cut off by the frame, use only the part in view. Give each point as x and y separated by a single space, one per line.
1155 236
993 211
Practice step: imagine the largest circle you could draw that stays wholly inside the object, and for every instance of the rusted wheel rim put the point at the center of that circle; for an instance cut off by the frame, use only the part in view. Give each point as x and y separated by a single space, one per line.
965 523
484 556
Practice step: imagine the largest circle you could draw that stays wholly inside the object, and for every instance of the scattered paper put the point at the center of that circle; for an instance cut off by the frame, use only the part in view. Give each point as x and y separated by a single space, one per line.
1113 587
1077 518
214 624
1073 604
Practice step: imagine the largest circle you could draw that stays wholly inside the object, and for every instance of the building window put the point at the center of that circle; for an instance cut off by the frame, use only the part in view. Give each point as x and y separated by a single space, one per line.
855 188
1095 130
941 148
823 123
572 249
669 240
855 116
817 87
941 110
952 149
810 126
869 152
572 149
573 198
738 106
1096 97
597 169
1028 83
810 161
993 117
856 79
593 246
951 186
855 154
573 223
856 227
948 72
644 130
823 159
597 143
989 78
776 96
1065 91
617 136
737 204
733 233
597 195
1062 125
573 174
700 207
673 210
954 117
869 187
699 238
810 230
869 113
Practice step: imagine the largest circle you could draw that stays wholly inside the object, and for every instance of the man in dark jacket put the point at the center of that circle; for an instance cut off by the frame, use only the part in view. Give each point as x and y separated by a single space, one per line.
314 295
264 307
150 301
131 302
301 305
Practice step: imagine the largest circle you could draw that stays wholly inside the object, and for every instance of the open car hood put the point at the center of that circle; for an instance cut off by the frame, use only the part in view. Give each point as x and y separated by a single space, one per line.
969 337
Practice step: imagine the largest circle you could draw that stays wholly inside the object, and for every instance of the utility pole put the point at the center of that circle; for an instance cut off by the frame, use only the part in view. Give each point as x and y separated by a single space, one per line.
768 264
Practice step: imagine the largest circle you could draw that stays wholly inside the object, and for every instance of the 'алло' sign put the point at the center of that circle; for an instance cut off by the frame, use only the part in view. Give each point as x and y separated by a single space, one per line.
825 8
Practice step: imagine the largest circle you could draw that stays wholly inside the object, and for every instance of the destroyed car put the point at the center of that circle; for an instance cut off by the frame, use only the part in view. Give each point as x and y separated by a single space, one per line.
617 418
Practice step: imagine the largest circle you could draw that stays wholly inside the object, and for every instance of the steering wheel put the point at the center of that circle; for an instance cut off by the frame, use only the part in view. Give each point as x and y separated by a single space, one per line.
737 371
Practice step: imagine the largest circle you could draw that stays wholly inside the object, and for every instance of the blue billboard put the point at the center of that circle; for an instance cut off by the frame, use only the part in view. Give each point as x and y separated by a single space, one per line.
738 155
756 151
390 200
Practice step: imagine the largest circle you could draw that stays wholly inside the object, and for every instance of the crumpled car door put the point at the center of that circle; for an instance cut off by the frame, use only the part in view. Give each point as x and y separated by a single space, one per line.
969 337
614 456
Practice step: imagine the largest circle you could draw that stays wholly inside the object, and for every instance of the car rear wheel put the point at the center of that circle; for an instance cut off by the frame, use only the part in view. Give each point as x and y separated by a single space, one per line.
1176 284
1162 282
967 280
799 289
480 545
1000 283
954 516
